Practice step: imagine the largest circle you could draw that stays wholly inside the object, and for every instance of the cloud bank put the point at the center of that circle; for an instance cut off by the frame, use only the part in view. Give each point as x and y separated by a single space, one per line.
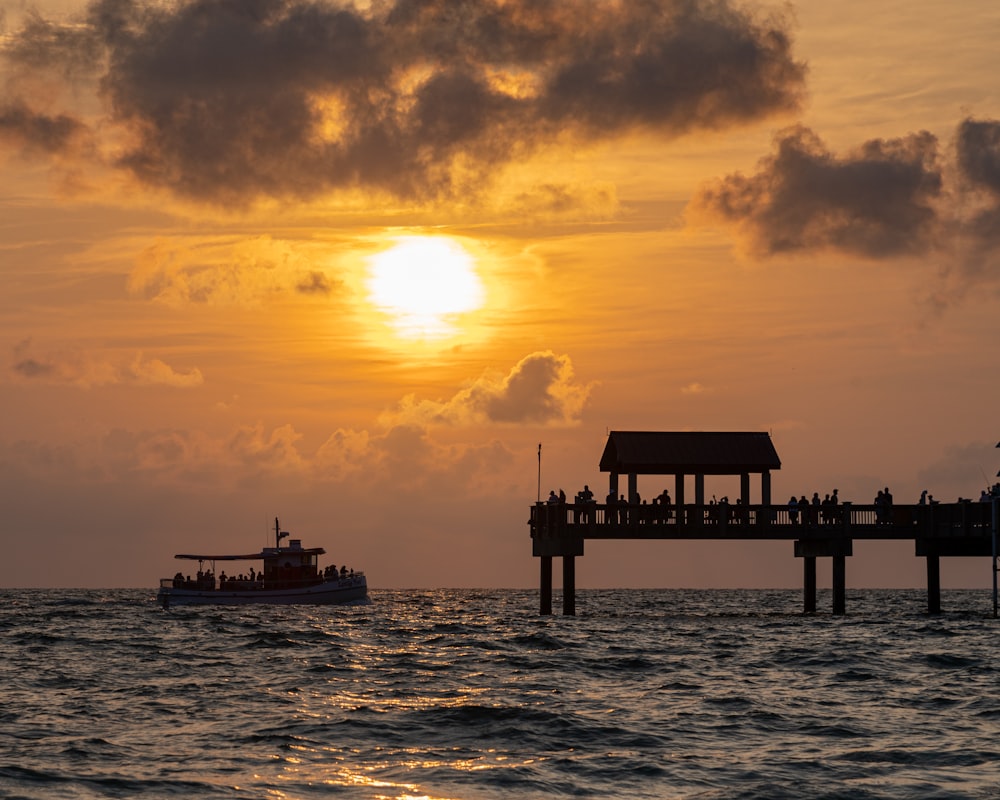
228 102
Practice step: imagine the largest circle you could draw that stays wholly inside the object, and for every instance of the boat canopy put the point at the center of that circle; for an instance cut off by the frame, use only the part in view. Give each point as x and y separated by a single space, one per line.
268 553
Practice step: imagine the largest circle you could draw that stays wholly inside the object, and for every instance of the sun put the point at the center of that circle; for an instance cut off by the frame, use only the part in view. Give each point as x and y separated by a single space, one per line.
424 283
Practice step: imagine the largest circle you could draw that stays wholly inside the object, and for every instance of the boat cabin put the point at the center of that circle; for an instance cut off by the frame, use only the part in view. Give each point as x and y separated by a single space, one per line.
285 567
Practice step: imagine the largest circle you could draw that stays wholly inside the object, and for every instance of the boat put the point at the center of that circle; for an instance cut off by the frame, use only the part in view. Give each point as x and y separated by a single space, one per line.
290 575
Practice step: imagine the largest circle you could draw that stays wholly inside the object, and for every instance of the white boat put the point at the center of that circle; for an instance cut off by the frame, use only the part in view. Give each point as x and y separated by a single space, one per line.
290 575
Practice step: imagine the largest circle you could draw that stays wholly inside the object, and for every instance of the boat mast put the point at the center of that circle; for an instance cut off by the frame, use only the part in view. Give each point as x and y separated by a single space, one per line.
278 534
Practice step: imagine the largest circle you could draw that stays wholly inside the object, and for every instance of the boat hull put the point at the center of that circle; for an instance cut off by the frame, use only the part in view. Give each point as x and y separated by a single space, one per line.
329 593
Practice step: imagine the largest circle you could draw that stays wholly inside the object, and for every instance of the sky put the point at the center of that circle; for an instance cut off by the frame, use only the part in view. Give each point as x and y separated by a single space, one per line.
348 265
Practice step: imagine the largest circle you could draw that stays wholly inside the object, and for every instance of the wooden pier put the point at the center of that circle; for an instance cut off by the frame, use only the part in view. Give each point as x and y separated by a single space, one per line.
938 530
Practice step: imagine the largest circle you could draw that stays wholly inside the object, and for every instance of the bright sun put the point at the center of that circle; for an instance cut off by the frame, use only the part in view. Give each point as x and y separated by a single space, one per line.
424 283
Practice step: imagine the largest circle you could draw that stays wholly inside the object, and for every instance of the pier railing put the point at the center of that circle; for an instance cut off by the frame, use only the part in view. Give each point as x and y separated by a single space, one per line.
740 521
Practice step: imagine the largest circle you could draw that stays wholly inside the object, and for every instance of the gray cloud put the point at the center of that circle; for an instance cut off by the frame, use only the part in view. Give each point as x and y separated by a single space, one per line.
887 198
978 147
32 131
978 151
227 101
876 201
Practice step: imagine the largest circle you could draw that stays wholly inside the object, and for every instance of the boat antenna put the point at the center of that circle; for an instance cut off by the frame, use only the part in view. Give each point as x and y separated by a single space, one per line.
278 533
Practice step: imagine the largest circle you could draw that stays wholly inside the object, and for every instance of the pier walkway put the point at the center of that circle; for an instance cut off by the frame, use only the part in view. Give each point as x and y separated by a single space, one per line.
938 530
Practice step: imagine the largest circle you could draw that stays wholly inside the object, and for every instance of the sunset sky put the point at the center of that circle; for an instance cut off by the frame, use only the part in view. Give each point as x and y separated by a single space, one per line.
348 265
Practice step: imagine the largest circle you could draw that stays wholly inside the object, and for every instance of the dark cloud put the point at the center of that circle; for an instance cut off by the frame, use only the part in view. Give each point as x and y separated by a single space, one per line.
30 368
978 150
886 199
876 201
314 283
227 100
32 131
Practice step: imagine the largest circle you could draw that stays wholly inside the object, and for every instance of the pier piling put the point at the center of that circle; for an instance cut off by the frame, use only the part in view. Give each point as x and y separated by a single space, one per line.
545 585
809 584
569 586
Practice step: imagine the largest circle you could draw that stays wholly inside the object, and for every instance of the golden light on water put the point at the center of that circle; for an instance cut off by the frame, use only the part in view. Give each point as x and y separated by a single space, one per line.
424 284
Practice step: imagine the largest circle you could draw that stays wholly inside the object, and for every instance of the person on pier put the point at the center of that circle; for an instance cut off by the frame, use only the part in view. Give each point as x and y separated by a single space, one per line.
793 510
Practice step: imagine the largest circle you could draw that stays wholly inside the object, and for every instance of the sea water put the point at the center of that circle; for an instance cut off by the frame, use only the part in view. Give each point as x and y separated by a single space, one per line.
471 694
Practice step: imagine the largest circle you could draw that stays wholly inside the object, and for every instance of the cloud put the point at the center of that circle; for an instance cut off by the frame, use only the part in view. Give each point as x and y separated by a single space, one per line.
977 149
887 199
229 102
314 282
541 389
876 201
550 201
86 370
34 132
153 372
275 451
225 272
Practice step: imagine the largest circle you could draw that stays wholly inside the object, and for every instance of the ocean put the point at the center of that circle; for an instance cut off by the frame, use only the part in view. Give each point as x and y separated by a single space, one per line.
468 695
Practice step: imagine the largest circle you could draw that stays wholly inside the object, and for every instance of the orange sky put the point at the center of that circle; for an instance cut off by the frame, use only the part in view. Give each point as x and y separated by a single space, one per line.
718 217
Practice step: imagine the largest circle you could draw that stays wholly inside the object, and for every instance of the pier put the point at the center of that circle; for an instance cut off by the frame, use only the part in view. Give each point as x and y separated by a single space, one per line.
560 529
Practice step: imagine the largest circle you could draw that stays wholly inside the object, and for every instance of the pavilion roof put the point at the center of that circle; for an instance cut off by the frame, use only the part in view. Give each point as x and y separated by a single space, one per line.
689 453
